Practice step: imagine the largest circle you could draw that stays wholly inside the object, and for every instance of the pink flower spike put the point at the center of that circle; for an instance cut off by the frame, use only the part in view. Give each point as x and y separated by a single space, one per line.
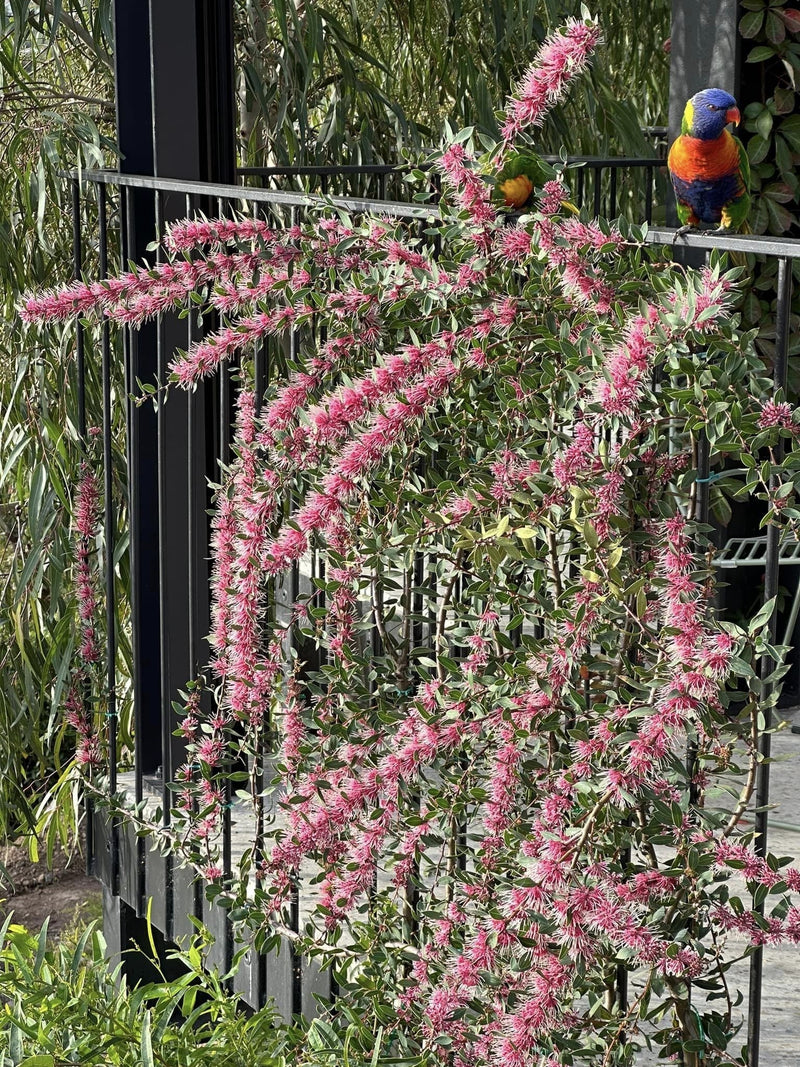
562 56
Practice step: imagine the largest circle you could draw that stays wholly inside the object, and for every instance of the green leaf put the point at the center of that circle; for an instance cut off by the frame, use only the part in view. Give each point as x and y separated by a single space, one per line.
757 148
146 1047
760 53
780 219
764 124
790 129
775 28
762 616
751 23
590 535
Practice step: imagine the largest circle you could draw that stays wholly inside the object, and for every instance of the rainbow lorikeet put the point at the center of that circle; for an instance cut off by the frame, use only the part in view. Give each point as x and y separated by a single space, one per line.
523 173
709 166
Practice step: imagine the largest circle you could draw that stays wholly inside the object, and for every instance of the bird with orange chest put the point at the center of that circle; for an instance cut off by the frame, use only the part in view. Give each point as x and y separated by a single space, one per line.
709 167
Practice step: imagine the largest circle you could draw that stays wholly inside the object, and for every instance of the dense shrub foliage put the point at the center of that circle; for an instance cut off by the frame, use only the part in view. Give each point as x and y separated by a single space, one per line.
521 765
64 1004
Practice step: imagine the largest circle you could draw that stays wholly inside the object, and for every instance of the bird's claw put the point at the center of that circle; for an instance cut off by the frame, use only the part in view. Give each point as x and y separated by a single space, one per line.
682 230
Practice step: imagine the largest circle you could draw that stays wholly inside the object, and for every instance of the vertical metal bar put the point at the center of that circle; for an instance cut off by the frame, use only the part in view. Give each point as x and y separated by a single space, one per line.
191 539
191 475
598 188
80 339
650 176
163 562
80 369
779 372
612 208
579 188
701 507
132 448
108 535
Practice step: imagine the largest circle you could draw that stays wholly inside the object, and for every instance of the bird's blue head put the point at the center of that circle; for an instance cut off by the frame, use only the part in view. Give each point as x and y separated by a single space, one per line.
708 113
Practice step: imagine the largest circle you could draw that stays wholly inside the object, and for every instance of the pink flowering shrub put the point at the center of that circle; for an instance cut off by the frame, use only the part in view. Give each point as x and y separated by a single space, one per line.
494 450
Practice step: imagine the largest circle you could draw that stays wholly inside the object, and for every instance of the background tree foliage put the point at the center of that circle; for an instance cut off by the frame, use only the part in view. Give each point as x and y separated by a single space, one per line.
356 81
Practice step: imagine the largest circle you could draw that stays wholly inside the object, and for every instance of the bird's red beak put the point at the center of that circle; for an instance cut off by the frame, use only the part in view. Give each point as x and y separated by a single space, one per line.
732 115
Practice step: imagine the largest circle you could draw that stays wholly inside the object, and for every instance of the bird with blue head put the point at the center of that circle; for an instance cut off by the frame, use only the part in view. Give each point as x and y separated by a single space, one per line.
709 167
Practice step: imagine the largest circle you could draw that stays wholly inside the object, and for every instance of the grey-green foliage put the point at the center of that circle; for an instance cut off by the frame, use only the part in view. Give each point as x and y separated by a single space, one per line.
66 1004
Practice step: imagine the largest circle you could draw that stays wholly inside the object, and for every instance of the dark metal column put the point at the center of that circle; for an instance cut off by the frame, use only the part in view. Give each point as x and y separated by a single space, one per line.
175 118
704 52
134 135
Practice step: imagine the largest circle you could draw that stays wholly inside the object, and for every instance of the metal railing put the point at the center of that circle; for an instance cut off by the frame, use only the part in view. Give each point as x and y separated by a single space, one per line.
606 185
186 443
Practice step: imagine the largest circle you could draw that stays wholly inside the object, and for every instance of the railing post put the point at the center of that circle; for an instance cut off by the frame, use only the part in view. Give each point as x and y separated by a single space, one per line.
704 51
768 665
175 118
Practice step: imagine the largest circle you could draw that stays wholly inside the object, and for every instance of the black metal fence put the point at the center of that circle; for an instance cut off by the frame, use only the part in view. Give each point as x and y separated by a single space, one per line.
607 185
160 499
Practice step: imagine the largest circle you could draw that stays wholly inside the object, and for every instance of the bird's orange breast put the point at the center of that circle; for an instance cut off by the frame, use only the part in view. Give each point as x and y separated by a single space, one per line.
691 158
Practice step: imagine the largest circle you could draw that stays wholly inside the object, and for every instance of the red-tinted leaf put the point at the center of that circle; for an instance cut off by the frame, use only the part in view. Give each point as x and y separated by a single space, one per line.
780 192
784 101
791 18
750 25
775 28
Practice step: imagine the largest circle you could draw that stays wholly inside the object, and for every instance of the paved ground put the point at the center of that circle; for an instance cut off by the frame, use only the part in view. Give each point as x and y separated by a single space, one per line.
780 1045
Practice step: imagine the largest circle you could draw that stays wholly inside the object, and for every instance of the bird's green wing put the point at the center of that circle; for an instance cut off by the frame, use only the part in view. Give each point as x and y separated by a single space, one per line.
735 213
685 214
744 163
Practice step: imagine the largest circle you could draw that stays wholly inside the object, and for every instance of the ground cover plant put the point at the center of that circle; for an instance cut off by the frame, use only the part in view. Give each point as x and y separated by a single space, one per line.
65 1003
521 765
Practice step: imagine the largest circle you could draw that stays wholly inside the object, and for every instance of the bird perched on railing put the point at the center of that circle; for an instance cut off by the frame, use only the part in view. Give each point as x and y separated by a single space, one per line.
709 166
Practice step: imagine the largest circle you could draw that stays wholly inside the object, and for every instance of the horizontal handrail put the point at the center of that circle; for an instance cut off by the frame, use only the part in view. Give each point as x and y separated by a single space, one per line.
760 244
253 193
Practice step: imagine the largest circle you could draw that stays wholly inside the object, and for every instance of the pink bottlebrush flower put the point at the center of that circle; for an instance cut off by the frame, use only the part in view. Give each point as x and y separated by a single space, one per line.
471 191
188 727
776 415
582 285
563 55
515 244
588 234
189 234
608 502
210 751
577 457
554 194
